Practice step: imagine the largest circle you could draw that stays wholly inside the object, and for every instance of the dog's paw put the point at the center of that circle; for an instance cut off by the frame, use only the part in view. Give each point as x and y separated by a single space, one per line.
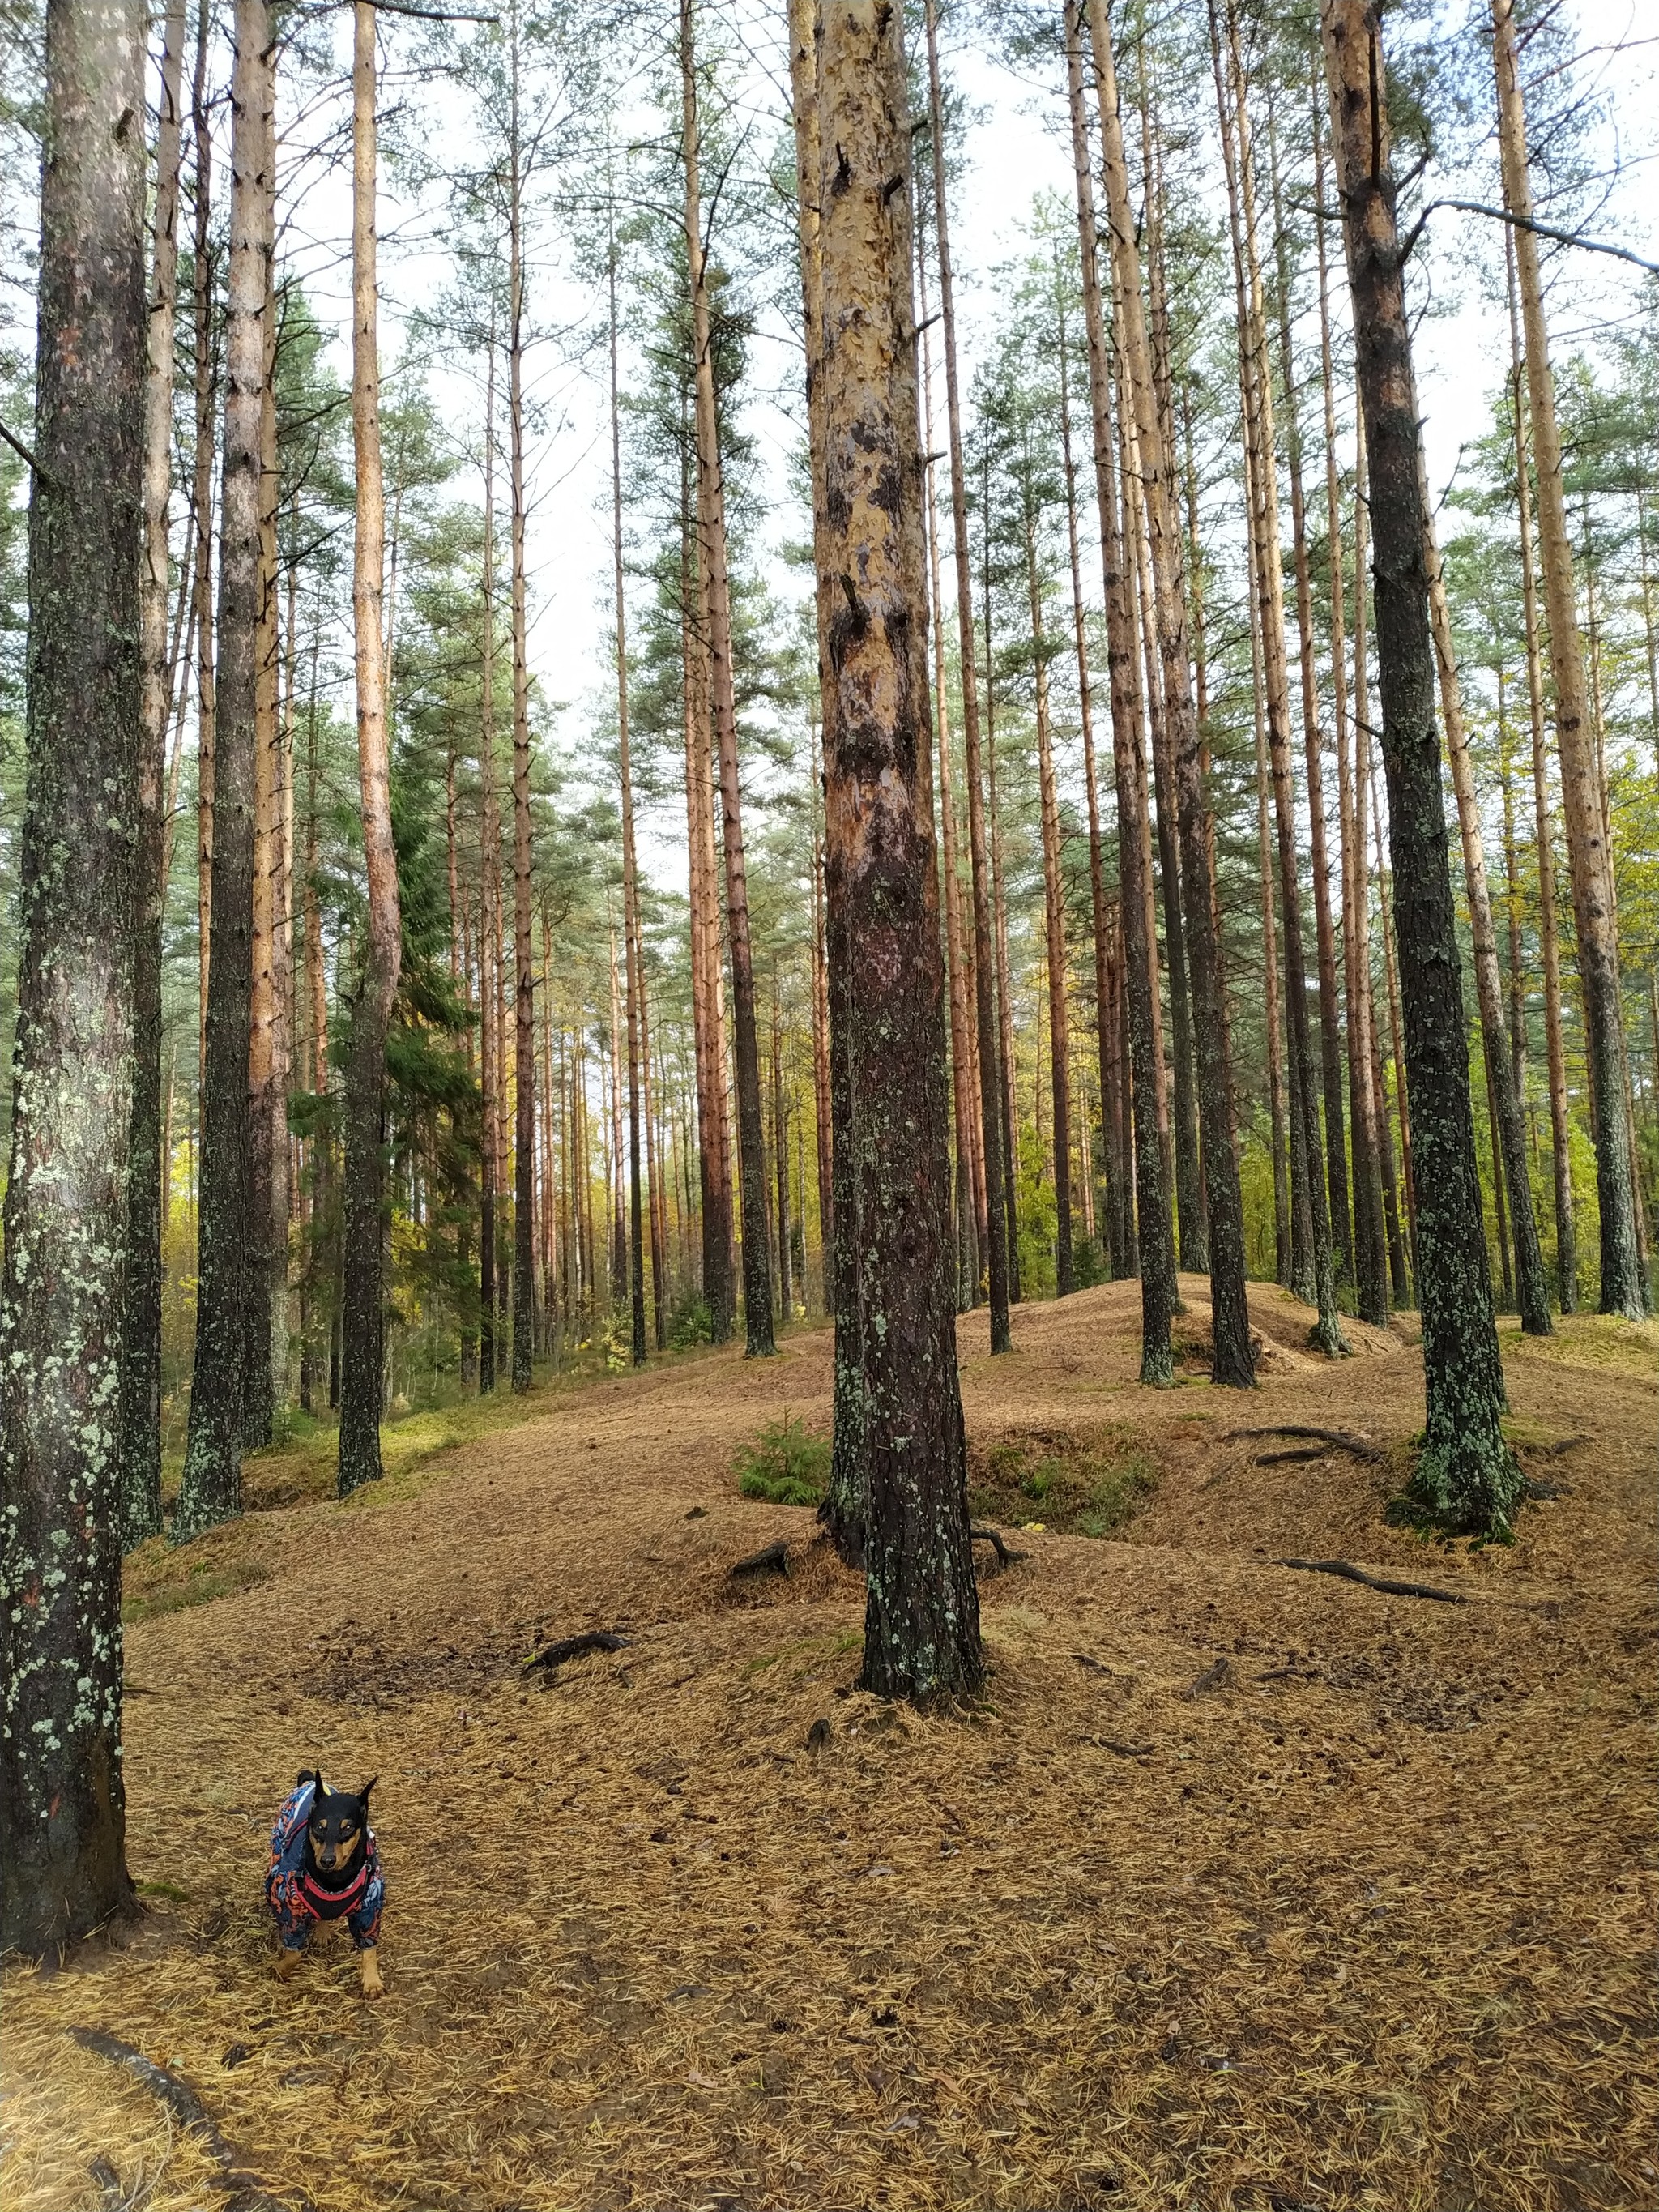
372 1986
288 1963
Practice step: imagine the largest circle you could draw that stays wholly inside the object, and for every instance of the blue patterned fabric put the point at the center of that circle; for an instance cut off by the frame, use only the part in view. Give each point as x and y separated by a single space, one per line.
297 1899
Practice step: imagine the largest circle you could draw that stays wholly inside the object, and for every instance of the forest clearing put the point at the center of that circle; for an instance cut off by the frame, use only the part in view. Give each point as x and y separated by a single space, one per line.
1365 1921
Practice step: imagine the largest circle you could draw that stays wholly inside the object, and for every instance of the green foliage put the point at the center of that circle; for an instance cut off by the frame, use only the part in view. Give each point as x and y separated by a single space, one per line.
787 1464
689 1322
1090 1487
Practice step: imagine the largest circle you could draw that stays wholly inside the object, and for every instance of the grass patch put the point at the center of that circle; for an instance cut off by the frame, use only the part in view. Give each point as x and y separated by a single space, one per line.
1083 1487
786 1464
192 1582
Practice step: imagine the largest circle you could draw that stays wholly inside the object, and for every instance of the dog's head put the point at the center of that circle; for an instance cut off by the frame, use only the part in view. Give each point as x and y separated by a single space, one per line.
337 1825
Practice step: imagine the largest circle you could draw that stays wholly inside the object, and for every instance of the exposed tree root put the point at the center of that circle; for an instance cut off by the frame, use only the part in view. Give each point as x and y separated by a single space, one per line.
574 1647
1351 1573
1213 1678
1343 1439
244 2190
774 1560
1006 1554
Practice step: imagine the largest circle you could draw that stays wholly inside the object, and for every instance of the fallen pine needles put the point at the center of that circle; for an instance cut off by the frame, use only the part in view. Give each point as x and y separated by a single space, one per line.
186 2105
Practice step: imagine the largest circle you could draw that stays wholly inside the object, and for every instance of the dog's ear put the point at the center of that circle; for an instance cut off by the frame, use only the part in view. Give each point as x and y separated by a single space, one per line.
363 1795
321 1786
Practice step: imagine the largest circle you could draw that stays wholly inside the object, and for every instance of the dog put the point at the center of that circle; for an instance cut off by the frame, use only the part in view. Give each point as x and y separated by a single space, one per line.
325 1865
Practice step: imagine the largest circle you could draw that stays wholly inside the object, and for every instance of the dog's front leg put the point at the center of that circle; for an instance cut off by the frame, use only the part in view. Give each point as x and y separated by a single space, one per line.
288 1963
369 1960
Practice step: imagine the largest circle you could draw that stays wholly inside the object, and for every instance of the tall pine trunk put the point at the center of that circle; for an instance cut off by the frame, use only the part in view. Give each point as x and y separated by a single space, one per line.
921 1621
1234 1364
1466 1472
523 952
61 1799
992 1149
362 1348
489 894
140 1418
630 880
210 1489
711 512
1589 860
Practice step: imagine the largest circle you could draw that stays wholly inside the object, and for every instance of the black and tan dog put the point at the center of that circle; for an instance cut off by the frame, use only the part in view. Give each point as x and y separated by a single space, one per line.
325 1865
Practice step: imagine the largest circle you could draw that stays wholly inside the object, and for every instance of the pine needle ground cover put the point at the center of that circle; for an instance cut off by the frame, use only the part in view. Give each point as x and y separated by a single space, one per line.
1248 1887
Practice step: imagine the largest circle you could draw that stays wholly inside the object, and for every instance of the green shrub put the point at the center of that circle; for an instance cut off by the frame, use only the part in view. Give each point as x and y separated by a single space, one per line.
690 1322
786 1464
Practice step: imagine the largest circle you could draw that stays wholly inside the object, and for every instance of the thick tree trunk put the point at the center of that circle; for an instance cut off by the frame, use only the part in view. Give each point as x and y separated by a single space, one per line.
1234 1364
997 1172
1465 1471
210 1489
1587 858
361 1347
62 1799
711 511
1138 1138
140 1415
523 952
205 351
921 1622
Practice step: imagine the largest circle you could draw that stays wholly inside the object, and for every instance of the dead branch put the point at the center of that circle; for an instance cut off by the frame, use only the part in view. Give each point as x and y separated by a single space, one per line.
1006 1554
186 2105
1122 1750
1389 1588
574 1647
774 1560
1213 1678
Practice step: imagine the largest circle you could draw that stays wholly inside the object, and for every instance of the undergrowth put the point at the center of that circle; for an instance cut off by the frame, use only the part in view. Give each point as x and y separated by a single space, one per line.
1081 1486
785 1464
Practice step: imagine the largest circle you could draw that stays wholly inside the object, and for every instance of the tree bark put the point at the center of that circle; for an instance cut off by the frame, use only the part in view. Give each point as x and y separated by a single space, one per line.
361 1350
1510 1158
1261 477
630 877
711 508
997 1172
1588 859
63 1804
210 1488
1566 1235
140 1417
1053 908
1234 1364
489 893
524 950
1155 1242
921 1622
258 1377
204 349
1465 1471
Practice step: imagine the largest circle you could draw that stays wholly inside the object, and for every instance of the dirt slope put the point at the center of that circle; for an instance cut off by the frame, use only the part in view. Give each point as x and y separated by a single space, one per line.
1364 1921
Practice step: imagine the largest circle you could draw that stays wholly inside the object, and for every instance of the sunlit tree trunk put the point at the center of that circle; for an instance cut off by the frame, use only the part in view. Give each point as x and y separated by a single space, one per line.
489 893
210 1487
998 1173
1587 858
1466 1470
1053 908
361 1353
140 1418
630 884
1234 1364
63 1812
921 1621
258 1371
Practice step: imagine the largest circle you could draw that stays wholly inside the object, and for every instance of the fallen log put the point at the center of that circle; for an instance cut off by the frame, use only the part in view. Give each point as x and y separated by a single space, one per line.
576 1647
1386 1583
772 1559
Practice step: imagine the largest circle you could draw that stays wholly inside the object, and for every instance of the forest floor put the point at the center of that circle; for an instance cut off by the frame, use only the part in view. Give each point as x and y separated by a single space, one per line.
1247 1886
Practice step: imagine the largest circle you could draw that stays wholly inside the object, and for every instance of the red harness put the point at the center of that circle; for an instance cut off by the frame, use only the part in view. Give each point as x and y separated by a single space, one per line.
335 1903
